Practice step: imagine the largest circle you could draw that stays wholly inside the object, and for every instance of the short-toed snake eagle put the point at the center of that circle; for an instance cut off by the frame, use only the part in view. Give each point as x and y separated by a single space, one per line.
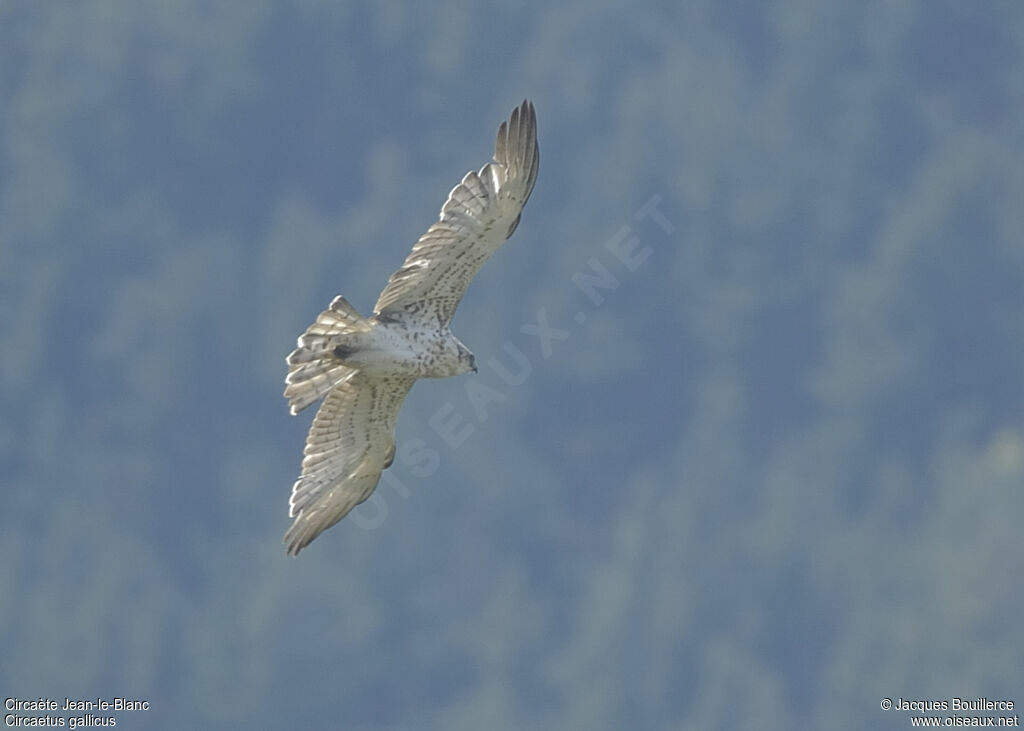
365 366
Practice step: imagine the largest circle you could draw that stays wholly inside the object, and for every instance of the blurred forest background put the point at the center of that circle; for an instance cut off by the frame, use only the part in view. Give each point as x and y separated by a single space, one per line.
770 478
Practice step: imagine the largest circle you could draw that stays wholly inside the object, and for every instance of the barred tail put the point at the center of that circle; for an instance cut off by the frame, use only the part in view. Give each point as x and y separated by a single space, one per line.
314 367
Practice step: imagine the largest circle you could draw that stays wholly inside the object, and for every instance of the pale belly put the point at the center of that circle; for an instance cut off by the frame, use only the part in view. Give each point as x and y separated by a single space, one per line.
417 354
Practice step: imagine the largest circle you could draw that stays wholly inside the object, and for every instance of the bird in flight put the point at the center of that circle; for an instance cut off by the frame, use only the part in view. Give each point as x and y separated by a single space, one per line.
365 366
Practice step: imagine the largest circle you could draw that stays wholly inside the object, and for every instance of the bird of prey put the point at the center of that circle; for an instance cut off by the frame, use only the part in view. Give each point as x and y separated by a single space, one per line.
365 366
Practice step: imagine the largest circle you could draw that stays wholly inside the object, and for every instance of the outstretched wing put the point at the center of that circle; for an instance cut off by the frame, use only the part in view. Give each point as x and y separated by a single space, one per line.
351 441
480 214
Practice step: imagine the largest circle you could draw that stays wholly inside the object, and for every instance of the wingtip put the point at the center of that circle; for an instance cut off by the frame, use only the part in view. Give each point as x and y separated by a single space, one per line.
518 135
527 110
296 539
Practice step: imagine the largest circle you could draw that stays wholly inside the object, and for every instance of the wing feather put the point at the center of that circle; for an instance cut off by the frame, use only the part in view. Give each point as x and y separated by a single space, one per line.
351 441
481 212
